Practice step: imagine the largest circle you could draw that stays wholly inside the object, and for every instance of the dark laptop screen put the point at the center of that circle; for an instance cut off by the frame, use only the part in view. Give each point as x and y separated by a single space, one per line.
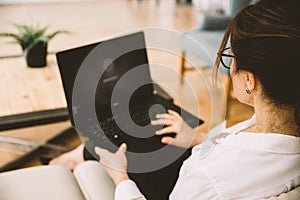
69 62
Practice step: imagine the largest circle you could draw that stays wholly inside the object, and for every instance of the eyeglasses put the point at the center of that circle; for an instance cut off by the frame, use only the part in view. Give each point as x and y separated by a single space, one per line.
226 57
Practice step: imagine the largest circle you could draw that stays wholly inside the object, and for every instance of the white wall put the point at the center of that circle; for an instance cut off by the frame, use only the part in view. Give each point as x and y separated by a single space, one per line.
210 5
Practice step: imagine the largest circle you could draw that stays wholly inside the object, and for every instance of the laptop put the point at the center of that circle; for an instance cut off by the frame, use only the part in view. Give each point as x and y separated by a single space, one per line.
112 79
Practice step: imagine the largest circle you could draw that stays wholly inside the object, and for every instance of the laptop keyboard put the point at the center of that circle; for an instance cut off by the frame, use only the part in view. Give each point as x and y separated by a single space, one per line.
108 131
114 132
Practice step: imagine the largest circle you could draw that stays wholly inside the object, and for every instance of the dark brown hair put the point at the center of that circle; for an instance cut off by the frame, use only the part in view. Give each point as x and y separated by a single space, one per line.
265 38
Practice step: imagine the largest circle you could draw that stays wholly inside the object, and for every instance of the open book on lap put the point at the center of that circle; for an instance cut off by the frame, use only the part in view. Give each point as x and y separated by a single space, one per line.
89 181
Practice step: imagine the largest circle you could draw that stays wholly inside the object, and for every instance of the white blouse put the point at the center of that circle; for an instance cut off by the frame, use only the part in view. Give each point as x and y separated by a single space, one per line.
234 165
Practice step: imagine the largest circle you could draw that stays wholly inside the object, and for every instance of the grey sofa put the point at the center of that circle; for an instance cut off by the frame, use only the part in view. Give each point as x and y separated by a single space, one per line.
204 41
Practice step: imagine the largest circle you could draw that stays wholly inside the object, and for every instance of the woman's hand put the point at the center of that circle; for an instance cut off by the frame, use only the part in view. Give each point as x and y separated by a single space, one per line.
186 137
115 164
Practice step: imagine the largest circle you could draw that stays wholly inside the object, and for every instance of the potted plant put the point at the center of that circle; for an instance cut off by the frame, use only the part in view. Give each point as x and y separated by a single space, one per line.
33 41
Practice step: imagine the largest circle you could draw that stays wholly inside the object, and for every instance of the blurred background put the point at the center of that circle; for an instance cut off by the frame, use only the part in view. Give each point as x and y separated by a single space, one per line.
33 118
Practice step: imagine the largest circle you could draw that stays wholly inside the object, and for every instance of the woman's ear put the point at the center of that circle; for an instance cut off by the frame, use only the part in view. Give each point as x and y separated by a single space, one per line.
250 81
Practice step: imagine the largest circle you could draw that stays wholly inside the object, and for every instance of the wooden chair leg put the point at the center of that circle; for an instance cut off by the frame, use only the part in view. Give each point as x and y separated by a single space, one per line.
182 65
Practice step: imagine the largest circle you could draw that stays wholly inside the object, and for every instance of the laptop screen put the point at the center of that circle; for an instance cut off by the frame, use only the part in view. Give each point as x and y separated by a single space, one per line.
69 62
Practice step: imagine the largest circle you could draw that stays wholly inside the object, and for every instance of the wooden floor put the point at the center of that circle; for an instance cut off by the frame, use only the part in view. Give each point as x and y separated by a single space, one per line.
23 89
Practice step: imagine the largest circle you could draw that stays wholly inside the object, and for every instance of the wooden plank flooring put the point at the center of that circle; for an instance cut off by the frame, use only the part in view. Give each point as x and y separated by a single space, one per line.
24 89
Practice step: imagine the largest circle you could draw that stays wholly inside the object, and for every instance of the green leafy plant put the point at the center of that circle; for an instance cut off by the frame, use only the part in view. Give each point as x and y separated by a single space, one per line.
30 35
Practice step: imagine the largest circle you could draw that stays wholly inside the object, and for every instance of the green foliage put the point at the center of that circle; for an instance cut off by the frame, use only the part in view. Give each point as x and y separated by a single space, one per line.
30 35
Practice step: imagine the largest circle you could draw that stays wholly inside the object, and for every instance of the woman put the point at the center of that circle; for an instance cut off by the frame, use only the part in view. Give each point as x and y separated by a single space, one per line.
257 158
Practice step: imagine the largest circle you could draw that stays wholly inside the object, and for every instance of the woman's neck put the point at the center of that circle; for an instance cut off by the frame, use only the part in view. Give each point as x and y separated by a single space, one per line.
271 118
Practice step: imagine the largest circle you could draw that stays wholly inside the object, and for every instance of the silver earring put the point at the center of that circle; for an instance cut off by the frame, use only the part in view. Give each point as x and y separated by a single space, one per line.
248 91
